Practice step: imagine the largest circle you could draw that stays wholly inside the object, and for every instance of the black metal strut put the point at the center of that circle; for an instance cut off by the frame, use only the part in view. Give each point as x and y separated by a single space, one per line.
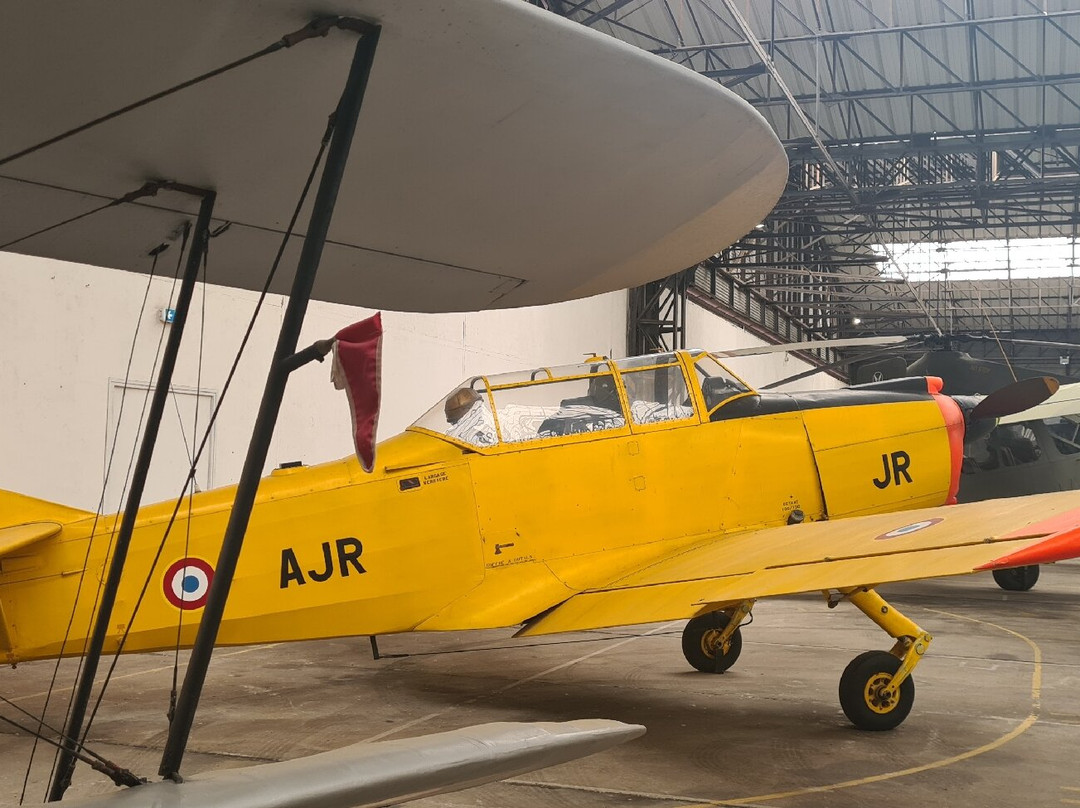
322 211
81 697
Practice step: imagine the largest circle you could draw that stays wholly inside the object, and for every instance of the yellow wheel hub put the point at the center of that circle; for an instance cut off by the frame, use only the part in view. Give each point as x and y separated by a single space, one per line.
875 694
710 642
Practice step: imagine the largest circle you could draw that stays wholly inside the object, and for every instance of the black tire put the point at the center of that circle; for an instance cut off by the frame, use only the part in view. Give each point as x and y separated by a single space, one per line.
1017 579
858 685
699 643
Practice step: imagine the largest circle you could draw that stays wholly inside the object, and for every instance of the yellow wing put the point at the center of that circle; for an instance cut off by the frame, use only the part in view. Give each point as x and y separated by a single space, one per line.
865 550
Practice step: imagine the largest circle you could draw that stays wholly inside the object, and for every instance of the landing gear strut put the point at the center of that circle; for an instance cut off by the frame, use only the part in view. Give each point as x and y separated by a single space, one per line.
876 689
712 642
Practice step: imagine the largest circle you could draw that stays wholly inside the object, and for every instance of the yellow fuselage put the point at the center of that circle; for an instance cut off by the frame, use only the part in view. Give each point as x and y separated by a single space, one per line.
440 537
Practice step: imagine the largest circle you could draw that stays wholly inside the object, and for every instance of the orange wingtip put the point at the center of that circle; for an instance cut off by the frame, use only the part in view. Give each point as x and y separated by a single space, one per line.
1055 548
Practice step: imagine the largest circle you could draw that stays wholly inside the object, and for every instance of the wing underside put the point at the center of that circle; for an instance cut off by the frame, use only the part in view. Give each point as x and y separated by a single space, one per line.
868 550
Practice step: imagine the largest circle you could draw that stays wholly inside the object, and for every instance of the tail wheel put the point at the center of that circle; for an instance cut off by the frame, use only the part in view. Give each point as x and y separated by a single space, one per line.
1017 579
862 694
701 643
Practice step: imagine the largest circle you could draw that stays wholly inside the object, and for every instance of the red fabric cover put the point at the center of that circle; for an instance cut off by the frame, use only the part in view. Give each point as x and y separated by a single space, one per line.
357 368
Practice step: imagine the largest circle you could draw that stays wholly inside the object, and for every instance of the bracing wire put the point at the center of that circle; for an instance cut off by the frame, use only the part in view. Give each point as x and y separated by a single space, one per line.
81 753
155 253
40 736
193 480
127 476
213 416
1001 349
314 29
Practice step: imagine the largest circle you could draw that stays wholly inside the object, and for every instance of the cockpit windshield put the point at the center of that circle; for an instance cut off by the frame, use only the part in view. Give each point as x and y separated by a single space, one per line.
520 407
599 396
717 383
655 388
464 414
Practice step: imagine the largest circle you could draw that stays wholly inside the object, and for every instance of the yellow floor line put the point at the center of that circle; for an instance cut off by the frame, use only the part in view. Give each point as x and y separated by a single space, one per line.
1024 726
750 802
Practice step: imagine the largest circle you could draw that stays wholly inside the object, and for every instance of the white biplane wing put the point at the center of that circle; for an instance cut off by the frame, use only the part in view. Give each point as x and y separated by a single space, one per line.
504 155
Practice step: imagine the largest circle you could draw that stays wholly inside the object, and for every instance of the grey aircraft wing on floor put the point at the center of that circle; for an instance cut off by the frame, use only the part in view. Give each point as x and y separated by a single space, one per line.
384 773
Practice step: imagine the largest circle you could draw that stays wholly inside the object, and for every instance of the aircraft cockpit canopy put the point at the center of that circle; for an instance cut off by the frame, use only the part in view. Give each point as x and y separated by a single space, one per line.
598 396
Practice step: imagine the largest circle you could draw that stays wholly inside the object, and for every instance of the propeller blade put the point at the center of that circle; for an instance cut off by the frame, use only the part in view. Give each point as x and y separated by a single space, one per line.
1015 398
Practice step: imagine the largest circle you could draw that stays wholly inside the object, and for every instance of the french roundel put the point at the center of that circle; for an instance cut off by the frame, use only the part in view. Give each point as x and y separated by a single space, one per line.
187 583
915 527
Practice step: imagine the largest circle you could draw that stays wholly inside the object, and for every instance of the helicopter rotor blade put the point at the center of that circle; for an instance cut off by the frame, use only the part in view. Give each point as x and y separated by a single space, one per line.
1017 341
822 368
853 342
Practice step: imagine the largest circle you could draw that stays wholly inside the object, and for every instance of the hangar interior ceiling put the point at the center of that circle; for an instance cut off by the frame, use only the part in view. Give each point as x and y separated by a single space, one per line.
931 122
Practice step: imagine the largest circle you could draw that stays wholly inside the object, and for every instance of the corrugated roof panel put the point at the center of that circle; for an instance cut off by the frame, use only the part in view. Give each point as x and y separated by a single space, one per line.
882 53
926 58
1003 108
1063 103
884 115
875 61
1062 46
1009 51
922 12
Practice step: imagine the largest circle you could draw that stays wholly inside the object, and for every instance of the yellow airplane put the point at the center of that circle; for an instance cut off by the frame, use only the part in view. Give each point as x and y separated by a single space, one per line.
568 498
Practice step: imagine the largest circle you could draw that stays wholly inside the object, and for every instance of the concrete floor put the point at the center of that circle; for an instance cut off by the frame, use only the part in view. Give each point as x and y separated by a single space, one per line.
996 720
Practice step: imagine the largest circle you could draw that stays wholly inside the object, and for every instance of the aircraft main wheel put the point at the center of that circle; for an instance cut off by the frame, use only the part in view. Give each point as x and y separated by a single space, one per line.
701 646
1017 579
860 692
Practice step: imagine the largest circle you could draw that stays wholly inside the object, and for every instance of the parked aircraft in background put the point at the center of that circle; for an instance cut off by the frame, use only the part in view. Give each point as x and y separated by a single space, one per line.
1027 453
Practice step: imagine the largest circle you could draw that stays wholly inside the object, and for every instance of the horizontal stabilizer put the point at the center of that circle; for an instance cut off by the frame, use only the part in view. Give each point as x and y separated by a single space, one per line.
13 539
371 774
18 509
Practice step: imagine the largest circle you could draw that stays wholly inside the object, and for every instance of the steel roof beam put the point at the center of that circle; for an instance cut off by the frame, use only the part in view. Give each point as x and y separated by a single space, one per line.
921 90
828 36
960 142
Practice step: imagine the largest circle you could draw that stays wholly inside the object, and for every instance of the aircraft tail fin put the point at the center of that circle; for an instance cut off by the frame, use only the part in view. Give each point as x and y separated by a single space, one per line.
25 520
17 509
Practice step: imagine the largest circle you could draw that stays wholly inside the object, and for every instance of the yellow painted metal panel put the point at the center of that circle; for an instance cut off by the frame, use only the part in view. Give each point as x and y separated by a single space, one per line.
948 540
16 537
328 553
581 508
774 474
875 458
17 509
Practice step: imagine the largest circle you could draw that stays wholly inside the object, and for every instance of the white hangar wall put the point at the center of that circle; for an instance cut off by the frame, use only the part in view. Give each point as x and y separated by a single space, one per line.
705 330
67 331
